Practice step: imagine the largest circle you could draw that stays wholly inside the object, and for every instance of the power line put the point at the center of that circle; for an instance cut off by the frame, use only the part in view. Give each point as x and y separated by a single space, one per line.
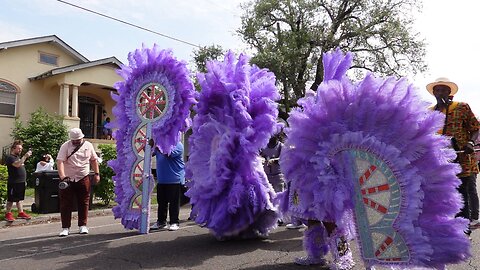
131 24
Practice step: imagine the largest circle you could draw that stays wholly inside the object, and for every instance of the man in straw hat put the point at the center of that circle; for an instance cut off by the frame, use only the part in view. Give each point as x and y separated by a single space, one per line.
462 126
75 159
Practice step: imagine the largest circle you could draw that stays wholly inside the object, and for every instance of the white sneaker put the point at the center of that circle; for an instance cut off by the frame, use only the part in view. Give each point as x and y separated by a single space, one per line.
174 227
64 232
292 226
83 230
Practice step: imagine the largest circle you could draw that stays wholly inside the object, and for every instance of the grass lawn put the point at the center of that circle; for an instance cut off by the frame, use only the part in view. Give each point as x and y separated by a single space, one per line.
30 192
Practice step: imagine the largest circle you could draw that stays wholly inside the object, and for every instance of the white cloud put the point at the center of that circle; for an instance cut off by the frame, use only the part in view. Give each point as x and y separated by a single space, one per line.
12 32
449 28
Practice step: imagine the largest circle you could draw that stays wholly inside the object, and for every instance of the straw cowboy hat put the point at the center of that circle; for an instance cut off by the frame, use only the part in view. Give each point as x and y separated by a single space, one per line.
443 81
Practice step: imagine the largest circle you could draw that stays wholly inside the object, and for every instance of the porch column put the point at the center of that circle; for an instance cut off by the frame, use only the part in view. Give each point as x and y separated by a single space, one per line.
60 101
65 97
74 101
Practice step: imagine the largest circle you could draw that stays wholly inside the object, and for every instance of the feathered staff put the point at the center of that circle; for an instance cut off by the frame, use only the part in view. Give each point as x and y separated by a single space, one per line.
372 148
153 101
235 117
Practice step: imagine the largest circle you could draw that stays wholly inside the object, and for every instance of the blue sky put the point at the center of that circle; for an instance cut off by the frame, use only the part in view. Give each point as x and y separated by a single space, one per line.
449 27
202 22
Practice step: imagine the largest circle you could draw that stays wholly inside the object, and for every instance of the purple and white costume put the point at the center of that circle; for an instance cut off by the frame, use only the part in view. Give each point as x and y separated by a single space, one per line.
153 101
235 117
366 156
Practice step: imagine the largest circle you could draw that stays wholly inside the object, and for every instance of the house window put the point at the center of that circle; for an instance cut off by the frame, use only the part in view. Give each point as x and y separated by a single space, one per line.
50 59
8 99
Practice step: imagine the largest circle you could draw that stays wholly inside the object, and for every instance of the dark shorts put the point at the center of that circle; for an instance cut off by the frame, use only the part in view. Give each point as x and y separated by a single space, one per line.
15 192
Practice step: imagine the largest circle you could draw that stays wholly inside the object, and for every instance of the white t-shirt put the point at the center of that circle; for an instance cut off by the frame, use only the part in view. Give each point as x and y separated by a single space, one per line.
47 167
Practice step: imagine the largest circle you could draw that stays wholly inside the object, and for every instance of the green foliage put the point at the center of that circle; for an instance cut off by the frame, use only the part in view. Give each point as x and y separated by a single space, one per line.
289 37
44 133
207 53
3 184
104 189
202 56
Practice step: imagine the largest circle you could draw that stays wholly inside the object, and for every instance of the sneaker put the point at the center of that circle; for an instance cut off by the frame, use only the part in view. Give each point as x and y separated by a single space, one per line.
309 260
174 227
474 224
22 215
292 226
9 217
64 232
155 226
83 230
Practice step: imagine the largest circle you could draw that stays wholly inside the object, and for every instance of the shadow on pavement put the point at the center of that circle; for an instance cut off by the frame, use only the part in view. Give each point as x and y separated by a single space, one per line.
182 252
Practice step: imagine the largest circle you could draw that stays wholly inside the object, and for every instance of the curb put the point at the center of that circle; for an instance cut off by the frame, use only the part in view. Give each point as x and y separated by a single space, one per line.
52 217
55 217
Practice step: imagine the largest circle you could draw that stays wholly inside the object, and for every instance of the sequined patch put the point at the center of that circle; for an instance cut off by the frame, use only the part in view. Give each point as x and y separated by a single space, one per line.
377 205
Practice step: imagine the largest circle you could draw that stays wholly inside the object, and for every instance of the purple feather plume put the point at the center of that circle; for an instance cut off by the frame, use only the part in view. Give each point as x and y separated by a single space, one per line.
147 66
387 118
235 117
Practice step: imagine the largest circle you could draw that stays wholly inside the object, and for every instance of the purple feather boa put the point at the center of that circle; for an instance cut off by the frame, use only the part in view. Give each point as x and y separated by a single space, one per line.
385 117
146 66
235 117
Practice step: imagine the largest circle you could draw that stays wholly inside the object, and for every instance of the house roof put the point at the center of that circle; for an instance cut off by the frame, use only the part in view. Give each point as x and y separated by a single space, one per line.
53 38
60 70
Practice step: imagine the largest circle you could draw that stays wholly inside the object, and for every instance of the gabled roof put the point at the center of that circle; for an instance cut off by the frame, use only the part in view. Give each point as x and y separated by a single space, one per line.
56 71
37 40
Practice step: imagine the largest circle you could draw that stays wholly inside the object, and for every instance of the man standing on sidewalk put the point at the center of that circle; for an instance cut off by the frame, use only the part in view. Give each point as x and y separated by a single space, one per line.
74 161
17 176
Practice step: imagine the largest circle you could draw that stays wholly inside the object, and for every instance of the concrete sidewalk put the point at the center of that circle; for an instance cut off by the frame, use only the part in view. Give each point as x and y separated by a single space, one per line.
55 217
50 217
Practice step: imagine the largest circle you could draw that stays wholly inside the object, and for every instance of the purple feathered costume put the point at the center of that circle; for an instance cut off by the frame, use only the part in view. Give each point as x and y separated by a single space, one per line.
156 91
235 117
367 154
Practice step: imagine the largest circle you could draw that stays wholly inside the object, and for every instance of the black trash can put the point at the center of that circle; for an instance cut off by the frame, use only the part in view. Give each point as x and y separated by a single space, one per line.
47 198
46 192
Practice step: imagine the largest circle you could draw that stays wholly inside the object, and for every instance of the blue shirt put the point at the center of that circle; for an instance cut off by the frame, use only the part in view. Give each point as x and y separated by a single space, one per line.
170 168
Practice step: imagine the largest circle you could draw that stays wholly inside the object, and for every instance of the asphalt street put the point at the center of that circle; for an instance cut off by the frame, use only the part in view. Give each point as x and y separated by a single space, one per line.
109 246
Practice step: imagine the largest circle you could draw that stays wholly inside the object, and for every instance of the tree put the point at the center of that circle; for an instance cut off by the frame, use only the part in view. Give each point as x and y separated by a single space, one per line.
44 133
291 35
204 54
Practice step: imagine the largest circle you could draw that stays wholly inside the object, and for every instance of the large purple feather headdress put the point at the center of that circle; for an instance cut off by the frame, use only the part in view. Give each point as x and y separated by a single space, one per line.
371 149
235 117
153 101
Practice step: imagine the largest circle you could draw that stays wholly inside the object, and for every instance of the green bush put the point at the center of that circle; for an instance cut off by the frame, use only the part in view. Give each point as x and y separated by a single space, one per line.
44 133
104 189
3 184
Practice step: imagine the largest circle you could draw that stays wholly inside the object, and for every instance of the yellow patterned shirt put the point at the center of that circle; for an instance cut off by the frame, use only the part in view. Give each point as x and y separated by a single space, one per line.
461 123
